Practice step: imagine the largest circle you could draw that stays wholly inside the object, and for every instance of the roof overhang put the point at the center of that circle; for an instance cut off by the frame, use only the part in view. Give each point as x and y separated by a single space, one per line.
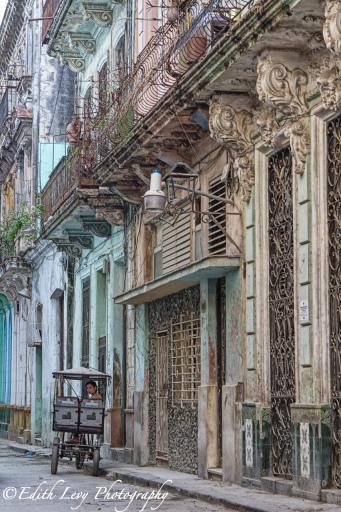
208 268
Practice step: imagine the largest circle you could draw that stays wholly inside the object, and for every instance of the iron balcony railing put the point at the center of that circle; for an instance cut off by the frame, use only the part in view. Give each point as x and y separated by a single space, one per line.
169 54
62 184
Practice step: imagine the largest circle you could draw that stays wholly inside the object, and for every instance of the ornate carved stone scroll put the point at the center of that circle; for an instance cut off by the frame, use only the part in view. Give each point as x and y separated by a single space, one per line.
283 87
332 26
233 129
327 66
329 82
99 13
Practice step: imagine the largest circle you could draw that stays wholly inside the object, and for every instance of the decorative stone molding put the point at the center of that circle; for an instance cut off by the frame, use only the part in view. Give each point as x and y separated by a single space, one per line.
99 13
84 42
107 205
74 60
114 217
81 239
233 129
332 26
99 227
299 138
329 83
15 275
268 126
74 251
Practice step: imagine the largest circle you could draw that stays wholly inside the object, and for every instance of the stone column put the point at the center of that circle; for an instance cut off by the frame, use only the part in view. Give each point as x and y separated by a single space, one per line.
208 391
233 390
93 348
141 393
114 360
77 321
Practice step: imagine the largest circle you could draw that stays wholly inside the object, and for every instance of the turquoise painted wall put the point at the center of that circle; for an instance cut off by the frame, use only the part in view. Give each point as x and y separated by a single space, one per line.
5 349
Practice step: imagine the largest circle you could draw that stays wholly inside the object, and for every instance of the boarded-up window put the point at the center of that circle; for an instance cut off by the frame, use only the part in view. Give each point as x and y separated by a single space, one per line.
176 242
185 350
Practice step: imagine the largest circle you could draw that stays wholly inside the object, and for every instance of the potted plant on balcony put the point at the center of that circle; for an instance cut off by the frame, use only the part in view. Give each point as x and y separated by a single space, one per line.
194 48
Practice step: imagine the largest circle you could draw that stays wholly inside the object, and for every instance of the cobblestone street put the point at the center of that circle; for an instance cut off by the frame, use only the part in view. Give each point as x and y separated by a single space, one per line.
74 490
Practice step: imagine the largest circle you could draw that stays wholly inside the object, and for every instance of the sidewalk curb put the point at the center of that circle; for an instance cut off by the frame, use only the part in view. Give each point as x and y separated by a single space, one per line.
209 498
231 496
36 450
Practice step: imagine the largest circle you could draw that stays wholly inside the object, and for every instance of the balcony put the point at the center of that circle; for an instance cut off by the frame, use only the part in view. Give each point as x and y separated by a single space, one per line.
61 188
169 55
70 201
15 121
49 10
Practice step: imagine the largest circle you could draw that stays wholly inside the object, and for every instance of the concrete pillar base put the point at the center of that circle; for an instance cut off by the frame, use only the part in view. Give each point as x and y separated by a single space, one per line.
141 434
232 434
208 429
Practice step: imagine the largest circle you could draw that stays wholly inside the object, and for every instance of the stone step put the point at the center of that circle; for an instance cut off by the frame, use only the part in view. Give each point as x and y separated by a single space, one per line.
122 455
215 474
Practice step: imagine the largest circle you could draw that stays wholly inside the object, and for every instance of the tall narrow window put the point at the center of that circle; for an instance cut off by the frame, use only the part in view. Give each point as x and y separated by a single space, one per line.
281 314
334 240
86 323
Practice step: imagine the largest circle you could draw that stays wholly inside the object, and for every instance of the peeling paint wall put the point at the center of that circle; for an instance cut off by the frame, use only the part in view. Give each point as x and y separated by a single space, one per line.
48 278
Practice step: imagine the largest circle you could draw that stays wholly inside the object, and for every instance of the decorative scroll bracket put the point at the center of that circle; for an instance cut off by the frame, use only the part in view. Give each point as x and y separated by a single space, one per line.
234 129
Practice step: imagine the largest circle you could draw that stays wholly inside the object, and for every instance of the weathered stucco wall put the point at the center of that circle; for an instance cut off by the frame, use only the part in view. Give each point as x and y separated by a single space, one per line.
48 278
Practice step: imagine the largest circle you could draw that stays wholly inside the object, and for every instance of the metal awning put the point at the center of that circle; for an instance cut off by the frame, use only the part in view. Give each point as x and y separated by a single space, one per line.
80 373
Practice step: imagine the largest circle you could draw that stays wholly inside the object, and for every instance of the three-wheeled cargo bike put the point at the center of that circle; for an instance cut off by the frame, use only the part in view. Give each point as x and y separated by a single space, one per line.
78 420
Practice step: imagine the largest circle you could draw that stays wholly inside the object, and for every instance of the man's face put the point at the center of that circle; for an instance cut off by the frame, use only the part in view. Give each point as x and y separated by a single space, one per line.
90 389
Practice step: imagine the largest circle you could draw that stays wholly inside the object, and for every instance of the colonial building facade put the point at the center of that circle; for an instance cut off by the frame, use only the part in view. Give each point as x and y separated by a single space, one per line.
217 310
